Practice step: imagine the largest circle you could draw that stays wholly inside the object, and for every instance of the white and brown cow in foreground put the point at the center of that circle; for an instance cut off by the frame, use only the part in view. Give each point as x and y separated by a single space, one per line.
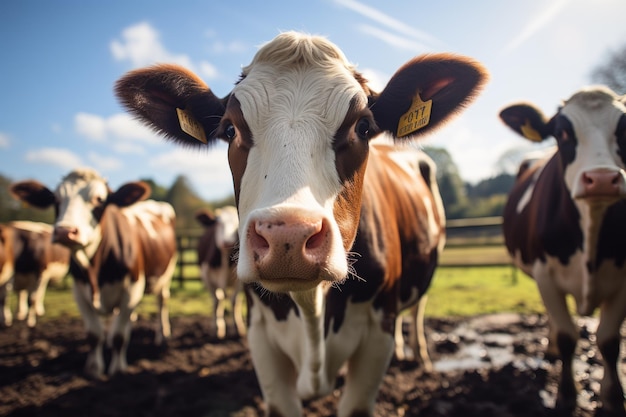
217 265
28 262
121 247
337 233
565 225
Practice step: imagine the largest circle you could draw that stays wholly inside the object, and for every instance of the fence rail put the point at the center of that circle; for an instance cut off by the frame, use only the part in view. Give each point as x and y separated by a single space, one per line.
469 242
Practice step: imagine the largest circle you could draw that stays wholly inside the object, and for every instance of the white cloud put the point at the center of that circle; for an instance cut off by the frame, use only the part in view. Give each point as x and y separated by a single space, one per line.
103 163
376 79
90 126
207 169
536 23
5 141
120 126
140 45
388 21
62 158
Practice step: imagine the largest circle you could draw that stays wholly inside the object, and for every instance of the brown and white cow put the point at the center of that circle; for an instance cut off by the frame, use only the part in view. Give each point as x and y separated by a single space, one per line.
216 247
28 262
330 251
121 247
565 225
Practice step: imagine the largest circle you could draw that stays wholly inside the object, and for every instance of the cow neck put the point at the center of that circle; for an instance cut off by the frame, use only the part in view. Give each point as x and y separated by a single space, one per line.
311 305
85 257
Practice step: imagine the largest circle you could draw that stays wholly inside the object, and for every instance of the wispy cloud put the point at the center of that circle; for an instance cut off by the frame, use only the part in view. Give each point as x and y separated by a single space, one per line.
58 157
103 163
414 38
140 44
5 141
536 23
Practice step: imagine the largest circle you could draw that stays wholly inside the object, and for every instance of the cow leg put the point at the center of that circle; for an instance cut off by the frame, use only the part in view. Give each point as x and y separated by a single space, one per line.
40 294
94 365
417 335
566 338
6 318
237 303
120 336
22 305
164 331
366 369
608 339
218 312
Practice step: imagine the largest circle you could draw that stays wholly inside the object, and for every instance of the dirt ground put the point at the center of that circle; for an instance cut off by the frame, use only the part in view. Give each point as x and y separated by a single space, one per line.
484 366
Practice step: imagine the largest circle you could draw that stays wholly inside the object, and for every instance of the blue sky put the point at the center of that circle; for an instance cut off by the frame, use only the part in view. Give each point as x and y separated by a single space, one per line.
61 59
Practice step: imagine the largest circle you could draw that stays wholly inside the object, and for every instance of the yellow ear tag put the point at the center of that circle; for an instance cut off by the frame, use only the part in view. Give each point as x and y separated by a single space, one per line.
190 125
416 118
530 133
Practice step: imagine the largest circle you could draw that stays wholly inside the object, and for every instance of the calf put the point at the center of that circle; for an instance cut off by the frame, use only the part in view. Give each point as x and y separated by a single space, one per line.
121 247
330 251
215 257
29 263
564 225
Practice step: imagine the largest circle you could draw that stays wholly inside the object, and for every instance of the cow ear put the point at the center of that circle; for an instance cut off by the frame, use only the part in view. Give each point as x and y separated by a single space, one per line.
34 193
173 101
205 217
527 121
425 92
129 193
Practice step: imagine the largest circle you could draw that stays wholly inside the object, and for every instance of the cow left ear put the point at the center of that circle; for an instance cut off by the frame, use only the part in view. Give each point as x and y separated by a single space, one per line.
527 121
426 92
33 193
130 193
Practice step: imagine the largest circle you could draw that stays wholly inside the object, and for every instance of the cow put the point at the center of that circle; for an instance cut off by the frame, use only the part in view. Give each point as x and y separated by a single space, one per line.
216 248
29 263
122 245
329 251
564 226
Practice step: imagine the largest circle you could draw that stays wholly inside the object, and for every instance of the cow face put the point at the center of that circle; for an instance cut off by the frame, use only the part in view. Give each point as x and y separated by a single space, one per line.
80 201
298 125
590 130
226 223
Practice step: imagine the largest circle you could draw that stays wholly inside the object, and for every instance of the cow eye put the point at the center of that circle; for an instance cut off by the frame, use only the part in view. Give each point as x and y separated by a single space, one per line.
362 128
230 132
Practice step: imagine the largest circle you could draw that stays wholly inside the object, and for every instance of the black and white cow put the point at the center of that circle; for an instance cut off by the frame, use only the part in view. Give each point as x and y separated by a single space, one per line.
28 262
216 248
565 225
122 247
338 232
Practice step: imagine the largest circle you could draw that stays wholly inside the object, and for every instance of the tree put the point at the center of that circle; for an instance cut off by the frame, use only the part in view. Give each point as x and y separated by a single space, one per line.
159 192
185 202
450 183
612 71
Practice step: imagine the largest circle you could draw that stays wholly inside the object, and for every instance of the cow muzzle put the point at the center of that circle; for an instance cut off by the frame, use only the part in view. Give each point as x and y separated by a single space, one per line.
290 252
67 236
602 183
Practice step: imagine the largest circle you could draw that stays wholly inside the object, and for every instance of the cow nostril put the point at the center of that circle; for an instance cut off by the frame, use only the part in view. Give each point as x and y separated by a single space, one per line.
317 239
257 241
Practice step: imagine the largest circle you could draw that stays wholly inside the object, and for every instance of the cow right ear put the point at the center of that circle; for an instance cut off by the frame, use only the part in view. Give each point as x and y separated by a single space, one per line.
527 121
205 217
34 193
173 101
130 193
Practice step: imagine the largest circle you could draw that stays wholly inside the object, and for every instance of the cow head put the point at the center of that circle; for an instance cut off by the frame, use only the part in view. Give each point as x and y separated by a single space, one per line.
226 223
590 131
298 124
80 201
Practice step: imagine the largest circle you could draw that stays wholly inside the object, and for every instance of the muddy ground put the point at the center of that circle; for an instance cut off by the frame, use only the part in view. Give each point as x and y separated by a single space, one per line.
484 366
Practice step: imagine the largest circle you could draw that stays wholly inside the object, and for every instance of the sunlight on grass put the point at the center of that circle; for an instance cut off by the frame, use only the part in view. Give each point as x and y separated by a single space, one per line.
453 292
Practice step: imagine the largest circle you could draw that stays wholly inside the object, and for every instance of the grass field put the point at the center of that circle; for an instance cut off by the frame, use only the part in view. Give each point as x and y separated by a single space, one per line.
455 291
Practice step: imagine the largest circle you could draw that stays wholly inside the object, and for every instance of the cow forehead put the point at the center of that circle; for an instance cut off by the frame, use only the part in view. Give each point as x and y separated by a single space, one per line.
83 183
594 110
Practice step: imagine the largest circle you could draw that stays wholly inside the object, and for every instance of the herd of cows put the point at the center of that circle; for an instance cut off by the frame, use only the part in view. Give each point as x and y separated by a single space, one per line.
339 223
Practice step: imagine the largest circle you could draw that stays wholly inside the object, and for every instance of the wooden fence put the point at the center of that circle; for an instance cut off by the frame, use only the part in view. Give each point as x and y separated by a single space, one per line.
470 243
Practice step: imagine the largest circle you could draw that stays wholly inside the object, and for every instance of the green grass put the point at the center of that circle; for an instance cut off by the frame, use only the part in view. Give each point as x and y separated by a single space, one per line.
455 291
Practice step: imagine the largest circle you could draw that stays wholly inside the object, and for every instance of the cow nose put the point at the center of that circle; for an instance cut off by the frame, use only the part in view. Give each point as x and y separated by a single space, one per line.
65 235
289 248
602 183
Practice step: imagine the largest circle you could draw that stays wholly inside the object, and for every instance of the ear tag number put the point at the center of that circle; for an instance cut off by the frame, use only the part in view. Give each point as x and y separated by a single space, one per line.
416 118
190 125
